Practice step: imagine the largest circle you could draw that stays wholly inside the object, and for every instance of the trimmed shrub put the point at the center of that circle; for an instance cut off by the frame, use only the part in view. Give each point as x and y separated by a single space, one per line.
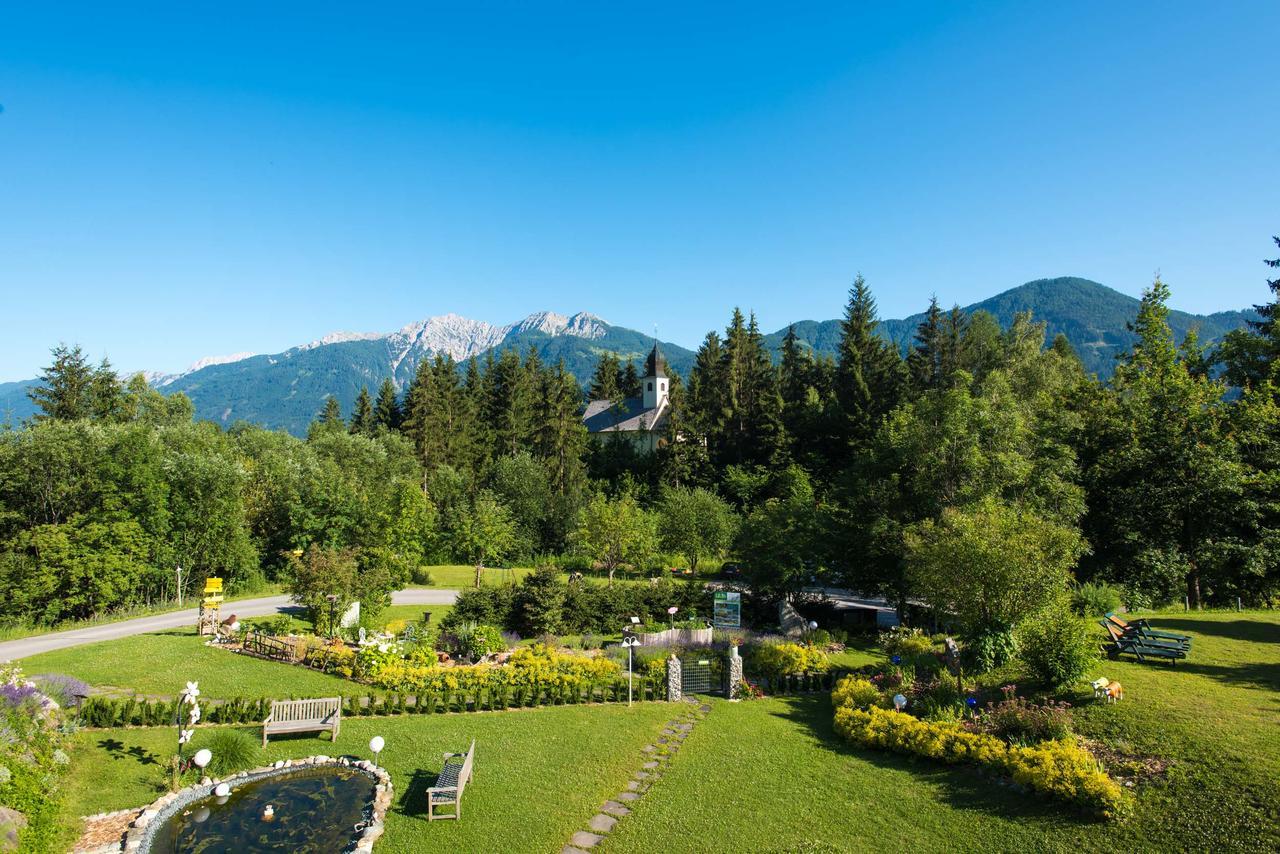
904 642
1058 649
1061 769
855 693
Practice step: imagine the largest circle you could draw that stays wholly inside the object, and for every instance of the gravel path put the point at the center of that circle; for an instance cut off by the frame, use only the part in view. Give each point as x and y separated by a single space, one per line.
176 619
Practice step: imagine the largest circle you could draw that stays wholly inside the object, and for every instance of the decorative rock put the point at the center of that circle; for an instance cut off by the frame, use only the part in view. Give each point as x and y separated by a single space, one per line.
582 839
601 823
569 849
12 823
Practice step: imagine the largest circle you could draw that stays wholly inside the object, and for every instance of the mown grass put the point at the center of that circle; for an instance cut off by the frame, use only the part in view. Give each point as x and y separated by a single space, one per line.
160 664
789 781
540 773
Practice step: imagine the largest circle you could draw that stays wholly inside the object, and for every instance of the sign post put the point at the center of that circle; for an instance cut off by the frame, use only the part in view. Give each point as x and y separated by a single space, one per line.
726 610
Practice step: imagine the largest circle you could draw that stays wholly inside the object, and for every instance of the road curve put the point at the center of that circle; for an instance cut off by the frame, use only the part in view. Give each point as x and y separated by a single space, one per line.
35 644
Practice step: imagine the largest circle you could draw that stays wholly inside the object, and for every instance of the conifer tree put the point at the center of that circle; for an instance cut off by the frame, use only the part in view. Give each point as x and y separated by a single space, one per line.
386 411
629 381
924 363
331 415
107 393
362 422
868 368
604 381
439 418
65 392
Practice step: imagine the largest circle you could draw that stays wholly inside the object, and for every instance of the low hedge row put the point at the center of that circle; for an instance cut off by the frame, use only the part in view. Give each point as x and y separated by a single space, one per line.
1059 769
108 712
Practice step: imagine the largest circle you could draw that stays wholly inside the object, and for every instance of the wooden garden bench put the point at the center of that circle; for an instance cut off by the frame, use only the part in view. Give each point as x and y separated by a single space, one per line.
453 779
303 716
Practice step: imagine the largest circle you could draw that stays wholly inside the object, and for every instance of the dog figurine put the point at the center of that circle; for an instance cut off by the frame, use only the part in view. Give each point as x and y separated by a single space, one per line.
1115 692
1100 687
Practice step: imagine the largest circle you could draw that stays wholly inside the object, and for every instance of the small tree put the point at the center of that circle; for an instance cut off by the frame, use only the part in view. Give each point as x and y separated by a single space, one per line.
990 564
317 574
696 523
485 534
614 533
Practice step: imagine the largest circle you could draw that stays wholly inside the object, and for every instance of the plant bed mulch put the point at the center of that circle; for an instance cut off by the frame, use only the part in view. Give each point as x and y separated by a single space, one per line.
1127 768
105 832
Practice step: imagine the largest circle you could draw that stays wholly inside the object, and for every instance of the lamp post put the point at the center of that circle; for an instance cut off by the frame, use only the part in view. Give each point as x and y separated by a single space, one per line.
333 607
178 584
375 746
630 642
672 611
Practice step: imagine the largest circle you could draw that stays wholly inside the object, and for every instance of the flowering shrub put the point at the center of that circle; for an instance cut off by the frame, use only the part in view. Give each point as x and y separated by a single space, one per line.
337 658
788 659
856 693
1061 769
749 691
32 760
539 668
904 642
1019 719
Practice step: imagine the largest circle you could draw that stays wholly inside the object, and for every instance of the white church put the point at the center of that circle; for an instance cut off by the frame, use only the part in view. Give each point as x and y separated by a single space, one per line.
639 420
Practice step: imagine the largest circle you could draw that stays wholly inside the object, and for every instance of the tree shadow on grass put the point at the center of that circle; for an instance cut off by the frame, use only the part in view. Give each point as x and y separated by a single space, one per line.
960 787
1255 675
115 748
1252 631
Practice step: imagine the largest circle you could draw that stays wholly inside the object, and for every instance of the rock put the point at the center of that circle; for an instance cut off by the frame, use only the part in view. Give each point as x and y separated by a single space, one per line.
628 796
12 823
650 765
569 849
601 823
582 839
615 809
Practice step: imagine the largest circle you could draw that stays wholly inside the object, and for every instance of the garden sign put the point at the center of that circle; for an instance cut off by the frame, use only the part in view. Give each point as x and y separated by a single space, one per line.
727 610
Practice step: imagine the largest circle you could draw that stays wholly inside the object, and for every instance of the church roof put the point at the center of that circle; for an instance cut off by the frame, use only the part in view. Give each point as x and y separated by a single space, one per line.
656 364
623 416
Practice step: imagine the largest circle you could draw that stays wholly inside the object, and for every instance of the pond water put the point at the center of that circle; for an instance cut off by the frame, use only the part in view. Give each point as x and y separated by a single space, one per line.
316 810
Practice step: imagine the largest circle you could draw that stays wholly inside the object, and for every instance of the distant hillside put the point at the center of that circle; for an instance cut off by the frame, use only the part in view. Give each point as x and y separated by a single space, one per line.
286 390
1092 316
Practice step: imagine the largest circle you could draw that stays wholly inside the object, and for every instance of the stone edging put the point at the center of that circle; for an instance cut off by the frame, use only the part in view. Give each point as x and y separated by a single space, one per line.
140 831
656 757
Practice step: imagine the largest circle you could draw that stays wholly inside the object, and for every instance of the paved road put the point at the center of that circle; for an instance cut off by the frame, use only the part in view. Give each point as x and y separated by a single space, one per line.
177 619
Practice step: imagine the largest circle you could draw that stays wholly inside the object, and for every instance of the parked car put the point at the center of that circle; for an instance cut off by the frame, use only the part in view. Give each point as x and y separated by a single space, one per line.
731 570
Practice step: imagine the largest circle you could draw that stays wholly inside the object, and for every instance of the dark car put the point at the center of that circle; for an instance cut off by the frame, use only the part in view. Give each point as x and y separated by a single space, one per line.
731 570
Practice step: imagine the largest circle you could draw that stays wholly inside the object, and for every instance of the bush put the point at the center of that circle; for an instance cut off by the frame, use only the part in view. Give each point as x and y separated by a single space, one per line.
233 750
1060 769
938 698
788 659
420 575
991 649
1093 599
472 641
904 642
855 693
280 624
1017 719
66 691
1058 649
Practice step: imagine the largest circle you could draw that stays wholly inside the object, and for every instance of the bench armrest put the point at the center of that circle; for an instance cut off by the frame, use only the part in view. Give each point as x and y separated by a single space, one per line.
442 789
270 717
452 755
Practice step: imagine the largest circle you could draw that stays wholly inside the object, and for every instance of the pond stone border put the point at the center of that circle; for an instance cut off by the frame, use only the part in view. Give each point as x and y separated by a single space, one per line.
139 836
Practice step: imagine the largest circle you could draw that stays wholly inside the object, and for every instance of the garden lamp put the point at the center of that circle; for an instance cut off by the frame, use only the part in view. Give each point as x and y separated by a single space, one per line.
630 642
899 702
376 744
202 758
672 611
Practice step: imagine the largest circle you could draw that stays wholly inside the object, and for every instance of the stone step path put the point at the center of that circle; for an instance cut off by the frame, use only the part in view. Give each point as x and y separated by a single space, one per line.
654 761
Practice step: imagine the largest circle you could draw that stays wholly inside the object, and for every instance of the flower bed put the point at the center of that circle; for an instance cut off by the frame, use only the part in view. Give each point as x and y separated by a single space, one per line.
1058 768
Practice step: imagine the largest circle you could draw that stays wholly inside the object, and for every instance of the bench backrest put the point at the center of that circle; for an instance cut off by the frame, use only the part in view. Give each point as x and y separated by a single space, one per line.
305 710
465 774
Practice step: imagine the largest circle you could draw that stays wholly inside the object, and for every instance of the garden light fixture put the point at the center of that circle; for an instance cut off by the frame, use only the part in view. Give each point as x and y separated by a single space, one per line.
376 744
899 702
202 758
630 642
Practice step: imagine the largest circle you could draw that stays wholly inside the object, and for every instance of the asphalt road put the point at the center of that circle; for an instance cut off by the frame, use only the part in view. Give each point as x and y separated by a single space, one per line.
176 619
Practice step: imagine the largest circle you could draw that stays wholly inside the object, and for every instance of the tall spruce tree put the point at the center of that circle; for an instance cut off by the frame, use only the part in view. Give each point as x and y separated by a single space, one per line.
439 418
868 368
604 380
1250 355
629 381
66 391
386 411
362 422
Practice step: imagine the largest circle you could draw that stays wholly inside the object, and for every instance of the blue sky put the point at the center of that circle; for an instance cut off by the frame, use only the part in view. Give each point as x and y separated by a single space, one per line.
183 180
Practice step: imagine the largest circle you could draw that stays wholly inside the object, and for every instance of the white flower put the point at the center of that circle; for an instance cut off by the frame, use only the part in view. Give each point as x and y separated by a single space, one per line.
186 736
195 714
193 691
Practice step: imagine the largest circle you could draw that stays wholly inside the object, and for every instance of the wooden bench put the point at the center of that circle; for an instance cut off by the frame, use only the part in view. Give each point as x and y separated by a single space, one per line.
303 716
454 776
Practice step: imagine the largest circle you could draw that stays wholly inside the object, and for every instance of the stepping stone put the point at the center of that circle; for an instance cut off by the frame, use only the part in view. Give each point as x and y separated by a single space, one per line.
602 823
569 849
634 784
668 732
582 839
615 809
628 796
643 775
651 765
662 741
685 727
648 748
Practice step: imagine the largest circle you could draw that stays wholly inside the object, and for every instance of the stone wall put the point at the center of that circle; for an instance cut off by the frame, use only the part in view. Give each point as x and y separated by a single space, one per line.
675 673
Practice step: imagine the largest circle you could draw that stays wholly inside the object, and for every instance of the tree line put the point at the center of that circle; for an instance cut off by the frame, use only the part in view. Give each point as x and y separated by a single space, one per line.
871 470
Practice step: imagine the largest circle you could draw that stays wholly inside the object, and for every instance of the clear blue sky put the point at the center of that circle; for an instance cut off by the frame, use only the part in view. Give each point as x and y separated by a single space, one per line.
195 179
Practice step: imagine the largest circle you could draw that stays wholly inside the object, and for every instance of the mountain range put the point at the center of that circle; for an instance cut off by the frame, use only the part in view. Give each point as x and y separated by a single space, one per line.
286 390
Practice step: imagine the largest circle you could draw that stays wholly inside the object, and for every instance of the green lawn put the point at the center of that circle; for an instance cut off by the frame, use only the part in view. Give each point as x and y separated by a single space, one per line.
792 781
160 664
540 773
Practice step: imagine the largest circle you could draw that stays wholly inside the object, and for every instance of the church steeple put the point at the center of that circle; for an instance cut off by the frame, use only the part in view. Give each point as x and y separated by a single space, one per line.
654 382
